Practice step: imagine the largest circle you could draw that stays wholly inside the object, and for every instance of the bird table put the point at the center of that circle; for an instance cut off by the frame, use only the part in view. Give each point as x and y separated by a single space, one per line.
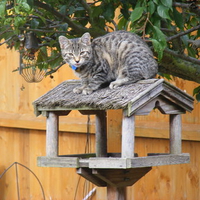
114 171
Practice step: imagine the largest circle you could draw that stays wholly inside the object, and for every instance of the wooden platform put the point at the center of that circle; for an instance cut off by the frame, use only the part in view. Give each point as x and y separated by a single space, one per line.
113 162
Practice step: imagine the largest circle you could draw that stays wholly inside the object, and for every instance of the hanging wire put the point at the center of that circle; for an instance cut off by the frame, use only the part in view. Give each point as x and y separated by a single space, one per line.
87 194
17 178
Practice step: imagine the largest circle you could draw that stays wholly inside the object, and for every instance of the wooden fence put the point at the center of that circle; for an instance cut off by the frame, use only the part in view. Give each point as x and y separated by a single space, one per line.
22 140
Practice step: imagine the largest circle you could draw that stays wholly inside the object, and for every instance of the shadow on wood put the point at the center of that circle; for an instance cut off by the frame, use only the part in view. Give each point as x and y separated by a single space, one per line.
113 177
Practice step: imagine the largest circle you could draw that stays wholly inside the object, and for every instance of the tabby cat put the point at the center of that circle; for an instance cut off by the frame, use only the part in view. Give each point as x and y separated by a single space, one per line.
116 58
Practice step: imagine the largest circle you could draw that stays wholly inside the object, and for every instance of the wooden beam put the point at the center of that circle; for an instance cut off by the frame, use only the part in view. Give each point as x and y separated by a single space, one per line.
137 162
88 112
52 135
98 174
101 134
128 138
87 174
116 193
175 134
69 162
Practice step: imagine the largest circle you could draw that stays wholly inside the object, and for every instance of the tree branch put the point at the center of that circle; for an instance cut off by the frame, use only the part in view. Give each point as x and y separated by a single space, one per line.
182 56
173 65
192 6
6 41
79 29
183 33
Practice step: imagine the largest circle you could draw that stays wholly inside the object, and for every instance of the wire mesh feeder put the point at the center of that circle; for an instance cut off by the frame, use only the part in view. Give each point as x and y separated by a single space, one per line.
29 70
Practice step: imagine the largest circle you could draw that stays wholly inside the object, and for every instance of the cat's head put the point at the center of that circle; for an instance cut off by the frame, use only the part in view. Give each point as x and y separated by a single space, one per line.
76 52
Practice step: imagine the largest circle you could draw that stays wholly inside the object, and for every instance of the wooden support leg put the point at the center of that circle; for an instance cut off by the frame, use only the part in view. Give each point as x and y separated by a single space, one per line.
101 134
128 137
52 135
175 134
116 193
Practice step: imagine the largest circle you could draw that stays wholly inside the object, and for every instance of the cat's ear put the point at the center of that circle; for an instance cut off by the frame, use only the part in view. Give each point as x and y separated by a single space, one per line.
63 41
86 38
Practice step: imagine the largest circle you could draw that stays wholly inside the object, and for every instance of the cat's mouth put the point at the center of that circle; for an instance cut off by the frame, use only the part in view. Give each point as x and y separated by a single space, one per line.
77 64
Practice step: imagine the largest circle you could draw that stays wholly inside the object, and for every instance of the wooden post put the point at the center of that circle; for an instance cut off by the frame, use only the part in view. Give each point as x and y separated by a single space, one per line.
101 134
116 193
128 137
52 135
175 134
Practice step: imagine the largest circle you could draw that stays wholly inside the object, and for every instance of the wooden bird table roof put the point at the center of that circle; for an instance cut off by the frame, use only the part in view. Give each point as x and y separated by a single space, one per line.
131 98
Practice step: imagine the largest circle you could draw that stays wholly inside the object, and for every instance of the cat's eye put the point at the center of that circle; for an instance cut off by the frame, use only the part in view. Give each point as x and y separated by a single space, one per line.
83 52
70 54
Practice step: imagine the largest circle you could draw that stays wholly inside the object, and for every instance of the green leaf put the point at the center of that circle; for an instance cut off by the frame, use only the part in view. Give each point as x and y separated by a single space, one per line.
97 10
151 7
191 52
8 21
109 12
125 11
136 14
30 3
63 9
156 1
41 17
122 24
159 41
157 48
3 8
198 97
160 36
196 90
163 12
178 19
34 23
18 21
25 7
71 10
167 3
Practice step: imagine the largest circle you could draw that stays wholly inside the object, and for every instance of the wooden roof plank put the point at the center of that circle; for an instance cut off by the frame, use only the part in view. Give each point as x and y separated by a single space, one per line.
130 97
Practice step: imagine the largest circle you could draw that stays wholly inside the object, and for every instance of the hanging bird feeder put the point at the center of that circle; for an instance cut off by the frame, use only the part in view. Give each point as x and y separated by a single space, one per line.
28 68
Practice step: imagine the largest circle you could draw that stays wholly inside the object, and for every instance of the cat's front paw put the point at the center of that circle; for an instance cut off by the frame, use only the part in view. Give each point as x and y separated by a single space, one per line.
77 90
87 91
113 85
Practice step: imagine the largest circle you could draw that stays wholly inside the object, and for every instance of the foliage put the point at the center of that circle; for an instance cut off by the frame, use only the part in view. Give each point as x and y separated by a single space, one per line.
171 28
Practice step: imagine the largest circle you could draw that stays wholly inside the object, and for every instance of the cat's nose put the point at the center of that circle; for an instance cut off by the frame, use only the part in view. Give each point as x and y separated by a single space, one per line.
77 61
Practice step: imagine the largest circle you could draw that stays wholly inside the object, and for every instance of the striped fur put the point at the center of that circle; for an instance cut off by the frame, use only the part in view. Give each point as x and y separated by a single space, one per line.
116 58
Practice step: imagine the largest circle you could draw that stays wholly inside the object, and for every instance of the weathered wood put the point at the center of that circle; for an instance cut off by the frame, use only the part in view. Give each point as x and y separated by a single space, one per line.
44 161
167 107
101 134
87 174
128 138
108 163
89 155
126 163
175 134
131 97
116 193
89 112
52 135
121 177
98 174
144 97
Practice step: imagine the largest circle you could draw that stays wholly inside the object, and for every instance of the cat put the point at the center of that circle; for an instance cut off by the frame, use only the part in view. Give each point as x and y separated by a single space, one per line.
117 58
